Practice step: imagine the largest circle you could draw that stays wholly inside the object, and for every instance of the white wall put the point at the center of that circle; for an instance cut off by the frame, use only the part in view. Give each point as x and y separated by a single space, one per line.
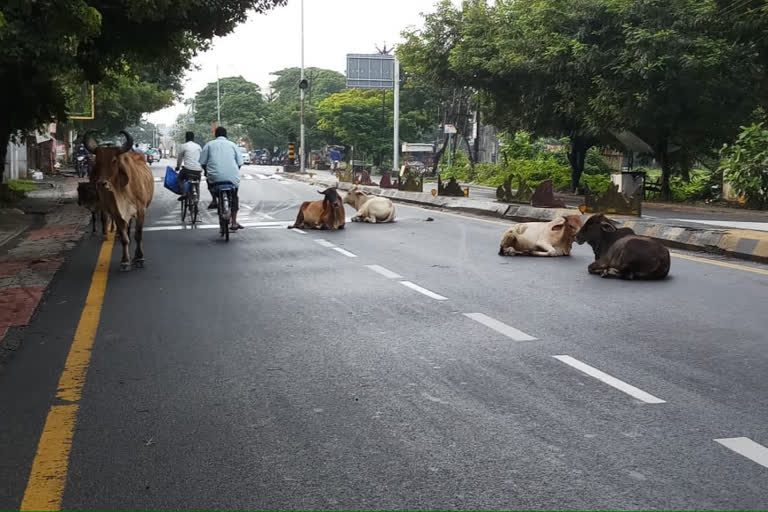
16 161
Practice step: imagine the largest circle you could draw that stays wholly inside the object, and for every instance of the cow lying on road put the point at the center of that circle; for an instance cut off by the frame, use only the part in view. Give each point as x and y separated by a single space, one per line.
88 197
621 253
553 238
327 213
371 209
125 187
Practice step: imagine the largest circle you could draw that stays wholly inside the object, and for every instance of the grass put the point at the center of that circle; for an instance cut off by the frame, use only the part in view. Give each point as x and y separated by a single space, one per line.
21 186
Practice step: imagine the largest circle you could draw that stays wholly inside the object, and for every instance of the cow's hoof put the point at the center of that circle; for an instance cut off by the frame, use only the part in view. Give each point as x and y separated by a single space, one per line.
139 263
125 267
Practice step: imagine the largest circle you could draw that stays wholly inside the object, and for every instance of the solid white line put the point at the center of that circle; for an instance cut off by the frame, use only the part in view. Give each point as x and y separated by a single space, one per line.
325 243
748 448
611 381
500 327
247 207
383 271
419 289
297 230
259 225
345 252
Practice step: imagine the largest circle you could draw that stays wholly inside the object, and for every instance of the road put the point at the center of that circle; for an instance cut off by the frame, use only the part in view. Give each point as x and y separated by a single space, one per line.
393 366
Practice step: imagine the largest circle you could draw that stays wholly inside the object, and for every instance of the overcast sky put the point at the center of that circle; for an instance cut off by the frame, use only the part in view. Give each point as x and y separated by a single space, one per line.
272 41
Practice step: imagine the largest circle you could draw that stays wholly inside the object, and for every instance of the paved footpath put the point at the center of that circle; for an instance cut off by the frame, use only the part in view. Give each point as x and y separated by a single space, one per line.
31 257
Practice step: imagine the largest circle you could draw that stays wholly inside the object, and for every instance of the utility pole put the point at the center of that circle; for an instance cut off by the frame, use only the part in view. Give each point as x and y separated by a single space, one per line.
302 87
396 137
218 97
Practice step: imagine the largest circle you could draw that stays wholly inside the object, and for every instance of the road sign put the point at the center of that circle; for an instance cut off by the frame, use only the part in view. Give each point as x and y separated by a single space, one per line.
370 71
449 128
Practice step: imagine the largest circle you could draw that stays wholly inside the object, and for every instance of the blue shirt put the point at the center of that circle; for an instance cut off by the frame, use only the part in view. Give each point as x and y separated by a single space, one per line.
222 160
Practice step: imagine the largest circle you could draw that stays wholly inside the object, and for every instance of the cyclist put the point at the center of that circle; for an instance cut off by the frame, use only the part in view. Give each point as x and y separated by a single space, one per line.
222 161
188 162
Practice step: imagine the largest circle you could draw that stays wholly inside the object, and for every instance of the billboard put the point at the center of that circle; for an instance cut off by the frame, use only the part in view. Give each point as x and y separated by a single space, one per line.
370 71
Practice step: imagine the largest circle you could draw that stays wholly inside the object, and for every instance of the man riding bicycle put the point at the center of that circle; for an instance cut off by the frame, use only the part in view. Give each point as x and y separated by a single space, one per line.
222 161
188 164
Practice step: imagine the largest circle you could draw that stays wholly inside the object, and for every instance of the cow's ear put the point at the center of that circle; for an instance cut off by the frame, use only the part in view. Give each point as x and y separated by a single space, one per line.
607 227
559 227
121 177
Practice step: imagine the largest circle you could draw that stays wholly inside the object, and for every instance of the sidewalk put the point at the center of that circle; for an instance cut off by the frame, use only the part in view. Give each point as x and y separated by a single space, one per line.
693 230
35 235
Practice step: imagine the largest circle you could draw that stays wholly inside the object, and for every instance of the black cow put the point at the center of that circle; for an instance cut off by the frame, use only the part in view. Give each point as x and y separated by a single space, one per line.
88 196
621 253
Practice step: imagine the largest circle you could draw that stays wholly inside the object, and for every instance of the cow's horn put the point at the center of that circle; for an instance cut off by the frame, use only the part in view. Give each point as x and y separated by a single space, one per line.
90 141
128 144
321 192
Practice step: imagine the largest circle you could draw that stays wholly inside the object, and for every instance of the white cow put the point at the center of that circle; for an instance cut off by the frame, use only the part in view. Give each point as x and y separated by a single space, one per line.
553 238
371 209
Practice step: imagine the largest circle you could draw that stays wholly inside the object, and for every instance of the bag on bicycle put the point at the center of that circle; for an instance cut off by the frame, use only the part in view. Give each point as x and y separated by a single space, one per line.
171 181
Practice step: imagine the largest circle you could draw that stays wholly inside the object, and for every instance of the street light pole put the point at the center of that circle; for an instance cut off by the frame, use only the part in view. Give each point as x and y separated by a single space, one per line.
301 91
218 98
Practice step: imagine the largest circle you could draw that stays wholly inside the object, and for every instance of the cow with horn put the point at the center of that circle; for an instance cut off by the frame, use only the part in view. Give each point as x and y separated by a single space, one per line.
125 187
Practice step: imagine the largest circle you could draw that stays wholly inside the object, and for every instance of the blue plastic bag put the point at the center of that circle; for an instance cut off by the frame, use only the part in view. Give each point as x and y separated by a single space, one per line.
171 181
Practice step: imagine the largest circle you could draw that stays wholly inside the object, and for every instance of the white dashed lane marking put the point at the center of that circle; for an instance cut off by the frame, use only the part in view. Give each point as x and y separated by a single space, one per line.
421 290
345 252
500 327
324 243
297 230
748 448
611 381
258 225
384 272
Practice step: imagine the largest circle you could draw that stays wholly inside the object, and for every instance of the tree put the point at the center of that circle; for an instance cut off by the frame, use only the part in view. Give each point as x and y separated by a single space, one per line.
45 40
426 59
679 79
745 164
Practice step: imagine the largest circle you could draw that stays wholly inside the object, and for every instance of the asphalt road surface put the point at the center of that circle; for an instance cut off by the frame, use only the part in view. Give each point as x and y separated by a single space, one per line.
392 366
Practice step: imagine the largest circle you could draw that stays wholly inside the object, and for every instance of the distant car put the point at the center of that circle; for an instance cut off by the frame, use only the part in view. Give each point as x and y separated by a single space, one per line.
246 155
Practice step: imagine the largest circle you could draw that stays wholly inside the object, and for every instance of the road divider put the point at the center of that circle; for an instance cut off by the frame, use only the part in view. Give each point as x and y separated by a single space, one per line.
500 327
423 291
748 448
632 391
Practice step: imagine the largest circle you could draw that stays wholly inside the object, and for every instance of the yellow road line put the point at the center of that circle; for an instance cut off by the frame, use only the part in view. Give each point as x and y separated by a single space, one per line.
45 486
719 263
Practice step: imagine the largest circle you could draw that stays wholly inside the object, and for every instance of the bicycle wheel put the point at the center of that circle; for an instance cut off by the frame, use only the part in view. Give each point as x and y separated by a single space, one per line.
184 210
195 212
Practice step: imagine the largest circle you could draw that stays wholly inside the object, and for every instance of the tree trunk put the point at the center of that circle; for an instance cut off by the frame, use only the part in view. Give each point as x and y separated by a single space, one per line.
5 137
439 154
666 169
577 154
477 142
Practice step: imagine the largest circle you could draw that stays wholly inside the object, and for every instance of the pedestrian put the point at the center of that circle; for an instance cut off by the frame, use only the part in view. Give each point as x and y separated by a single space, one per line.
221 161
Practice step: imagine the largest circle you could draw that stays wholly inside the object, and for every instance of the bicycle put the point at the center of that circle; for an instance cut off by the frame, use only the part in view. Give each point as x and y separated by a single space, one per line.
224 191
191 204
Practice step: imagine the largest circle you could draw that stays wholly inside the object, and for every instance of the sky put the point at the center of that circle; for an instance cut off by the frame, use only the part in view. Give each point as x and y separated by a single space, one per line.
272 41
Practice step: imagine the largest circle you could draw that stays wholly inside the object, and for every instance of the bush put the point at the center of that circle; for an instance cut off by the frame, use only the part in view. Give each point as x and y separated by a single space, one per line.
698 189
597 183
745 165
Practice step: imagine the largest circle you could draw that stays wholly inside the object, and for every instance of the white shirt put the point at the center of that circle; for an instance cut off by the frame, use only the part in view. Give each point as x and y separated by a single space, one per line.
189 156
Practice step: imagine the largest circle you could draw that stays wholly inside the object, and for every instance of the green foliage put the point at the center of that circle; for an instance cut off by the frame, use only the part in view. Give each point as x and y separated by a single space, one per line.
745 164
46 45
596 182
698 188
595 164
21 186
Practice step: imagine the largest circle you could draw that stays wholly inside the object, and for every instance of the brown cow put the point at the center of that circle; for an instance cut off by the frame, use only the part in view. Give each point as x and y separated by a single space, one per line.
125 186
621 253
325 214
